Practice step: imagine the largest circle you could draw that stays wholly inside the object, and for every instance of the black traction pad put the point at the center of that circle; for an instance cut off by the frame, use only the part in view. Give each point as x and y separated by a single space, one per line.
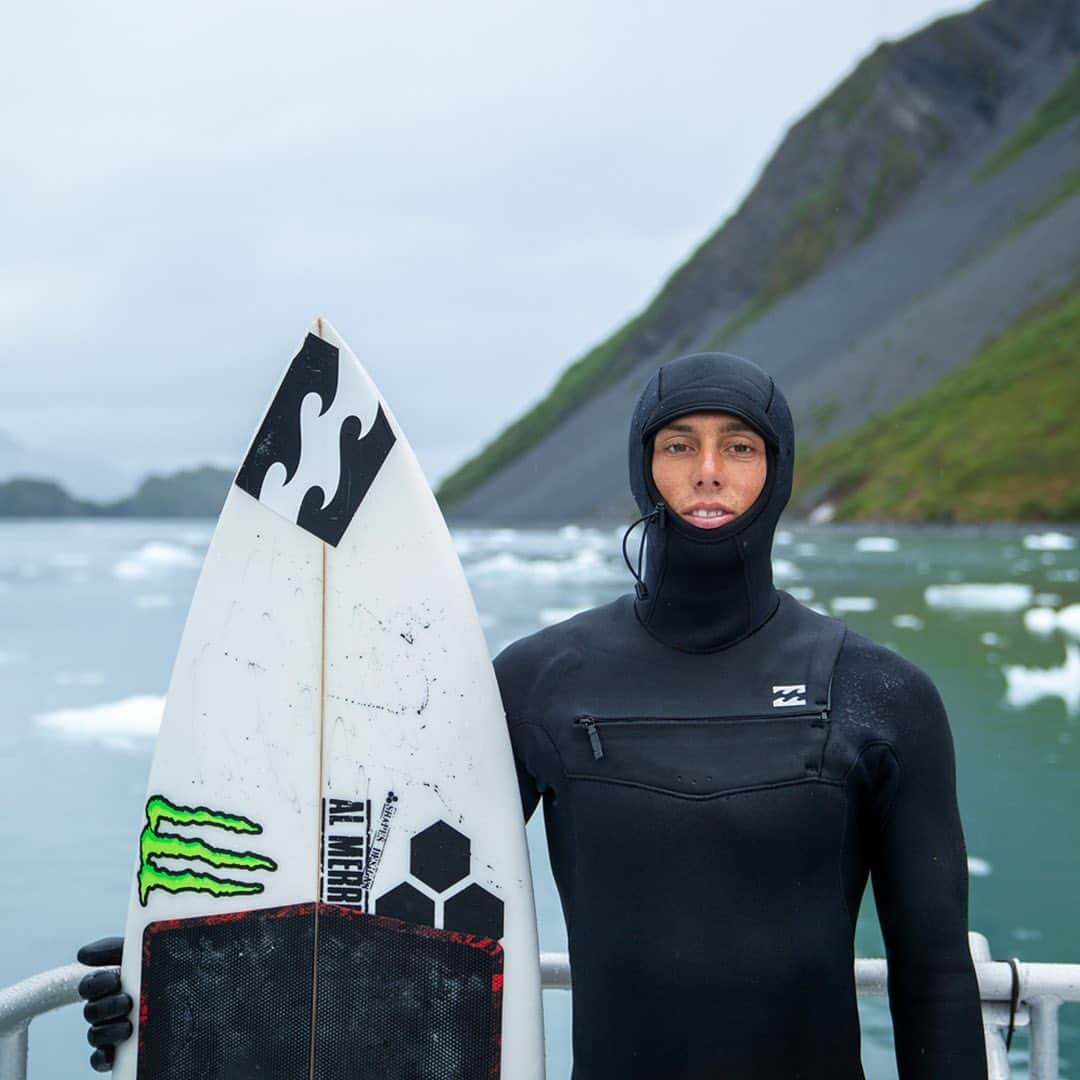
229 997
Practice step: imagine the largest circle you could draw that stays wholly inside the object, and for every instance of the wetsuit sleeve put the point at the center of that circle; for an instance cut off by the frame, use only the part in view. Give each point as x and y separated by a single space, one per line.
920 881
512 673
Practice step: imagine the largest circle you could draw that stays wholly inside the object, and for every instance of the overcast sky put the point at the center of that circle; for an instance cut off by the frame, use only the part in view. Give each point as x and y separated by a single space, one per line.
473 192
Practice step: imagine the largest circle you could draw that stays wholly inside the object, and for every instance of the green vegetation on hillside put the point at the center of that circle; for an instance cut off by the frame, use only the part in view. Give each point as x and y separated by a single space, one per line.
1054 112
806 238
994 440
188 493
805 243
897 175
1064 189
30 497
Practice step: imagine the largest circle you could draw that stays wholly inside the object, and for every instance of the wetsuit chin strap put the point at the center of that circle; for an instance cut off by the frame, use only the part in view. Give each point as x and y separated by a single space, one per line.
703 594
657 514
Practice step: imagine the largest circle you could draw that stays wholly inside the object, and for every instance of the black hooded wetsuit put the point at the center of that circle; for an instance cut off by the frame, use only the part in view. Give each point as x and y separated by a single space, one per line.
722 769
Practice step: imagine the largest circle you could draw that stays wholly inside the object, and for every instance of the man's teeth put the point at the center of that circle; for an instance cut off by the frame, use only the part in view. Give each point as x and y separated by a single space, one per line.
708 513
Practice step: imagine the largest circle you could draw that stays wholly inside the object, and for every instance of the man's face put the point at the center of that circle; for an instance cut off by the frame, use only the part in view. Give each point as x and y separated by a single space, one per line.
708 467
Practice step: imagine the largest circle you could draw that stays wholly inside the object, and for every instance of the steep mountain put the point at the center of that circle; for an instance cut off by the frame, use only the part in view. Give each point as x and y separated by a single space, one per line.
916 212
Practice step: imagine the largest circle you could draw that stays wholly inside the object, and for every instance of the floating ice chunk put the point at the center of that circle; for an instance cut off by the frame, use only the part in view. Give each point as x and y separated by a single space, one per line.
116 725
785 570
971 596
587 565
570 532
196 537
907 622
782 538
854 603
463 545
876 543
979 867
1026 933
991 639
1068 620
806 548
1024 686
1045 621
1047 599
803 593
155 557
1049 541
822 514
1066 573
1040 620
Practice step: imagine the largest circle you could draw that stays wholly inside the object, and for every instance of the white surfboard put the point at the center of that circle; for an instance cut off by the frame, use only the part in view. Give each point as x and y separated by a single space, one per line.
332 880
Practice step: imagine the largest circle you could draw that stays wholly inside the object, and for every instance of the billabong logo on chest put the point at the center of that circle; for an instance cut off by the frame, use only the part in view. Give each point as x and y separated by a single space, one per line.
792 694
321 444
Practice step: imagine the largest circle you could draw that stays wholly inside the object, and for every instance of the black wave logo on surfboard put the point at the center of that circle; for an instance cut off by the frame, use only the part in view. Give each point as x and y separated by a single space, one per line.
360 454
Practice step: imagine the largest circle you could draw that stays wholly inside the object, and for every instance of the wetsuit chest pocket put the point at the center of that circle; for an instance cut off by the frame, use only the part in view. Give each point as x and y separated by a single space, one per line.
699 757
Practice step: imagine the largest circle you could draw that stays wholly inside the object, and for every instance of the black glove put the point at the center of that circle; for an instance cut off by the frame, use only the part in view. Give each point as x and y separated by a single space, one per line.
107 1006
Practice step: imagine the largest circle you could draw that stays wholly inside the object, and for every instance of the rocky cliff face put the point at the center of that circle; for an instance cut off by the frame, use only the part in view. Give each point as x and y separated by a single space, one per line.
849 164
875 251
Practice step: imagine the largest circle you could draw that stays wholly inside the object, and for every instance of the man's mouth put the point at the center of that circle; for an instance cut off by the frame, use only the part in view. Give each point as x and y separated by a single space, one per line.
708 517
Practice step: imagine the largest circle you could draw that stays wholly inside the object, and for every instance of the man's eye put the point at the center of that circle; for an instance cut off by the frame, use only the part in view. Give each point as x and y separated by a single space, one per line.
677 447
741 449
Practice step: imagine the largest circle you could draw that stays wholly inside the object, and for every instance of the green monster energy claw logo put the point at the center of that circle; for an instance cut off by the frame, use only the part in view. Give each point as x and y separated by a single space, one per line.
155 845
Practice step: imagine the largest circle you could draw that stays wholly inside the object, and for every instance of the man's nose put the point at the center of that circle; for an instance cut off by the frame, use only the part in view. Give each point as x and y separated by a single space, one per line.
710 470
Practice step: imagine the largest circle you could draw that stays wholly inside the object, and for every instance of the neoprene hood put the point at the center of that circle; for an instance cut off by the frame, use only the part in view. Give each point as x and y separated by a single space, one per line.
705 589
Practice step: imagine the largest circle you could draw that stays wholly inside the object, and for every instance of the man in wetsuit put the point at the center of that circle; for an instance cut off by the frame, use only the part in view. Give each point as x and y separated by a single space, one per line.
721 770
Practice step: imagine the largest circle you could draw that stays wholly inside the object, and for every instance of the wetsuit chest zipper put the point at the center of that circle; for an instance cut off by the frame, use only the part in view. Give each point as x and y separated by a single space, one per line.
591 724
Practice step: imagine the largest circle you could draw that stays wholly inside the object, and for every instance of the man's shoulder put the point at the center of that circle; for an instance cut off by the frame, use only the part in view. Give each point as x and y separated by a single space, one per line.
881 667
884 694
554 652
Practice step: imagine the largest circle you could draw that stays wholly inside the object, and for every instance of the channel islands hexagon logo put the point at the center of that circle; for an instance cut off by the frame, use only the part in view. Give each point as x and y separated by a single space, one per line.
439 863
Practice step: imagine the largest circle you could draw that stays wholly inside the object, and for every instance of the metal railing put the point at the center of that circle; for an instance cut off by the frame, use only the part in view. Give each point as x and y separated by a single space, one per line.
1041 990
19 1004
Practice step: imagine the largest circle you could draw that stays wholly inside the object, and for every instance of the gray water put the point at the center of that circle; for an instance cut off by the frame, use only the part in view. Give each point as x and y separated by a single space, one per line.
91 614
